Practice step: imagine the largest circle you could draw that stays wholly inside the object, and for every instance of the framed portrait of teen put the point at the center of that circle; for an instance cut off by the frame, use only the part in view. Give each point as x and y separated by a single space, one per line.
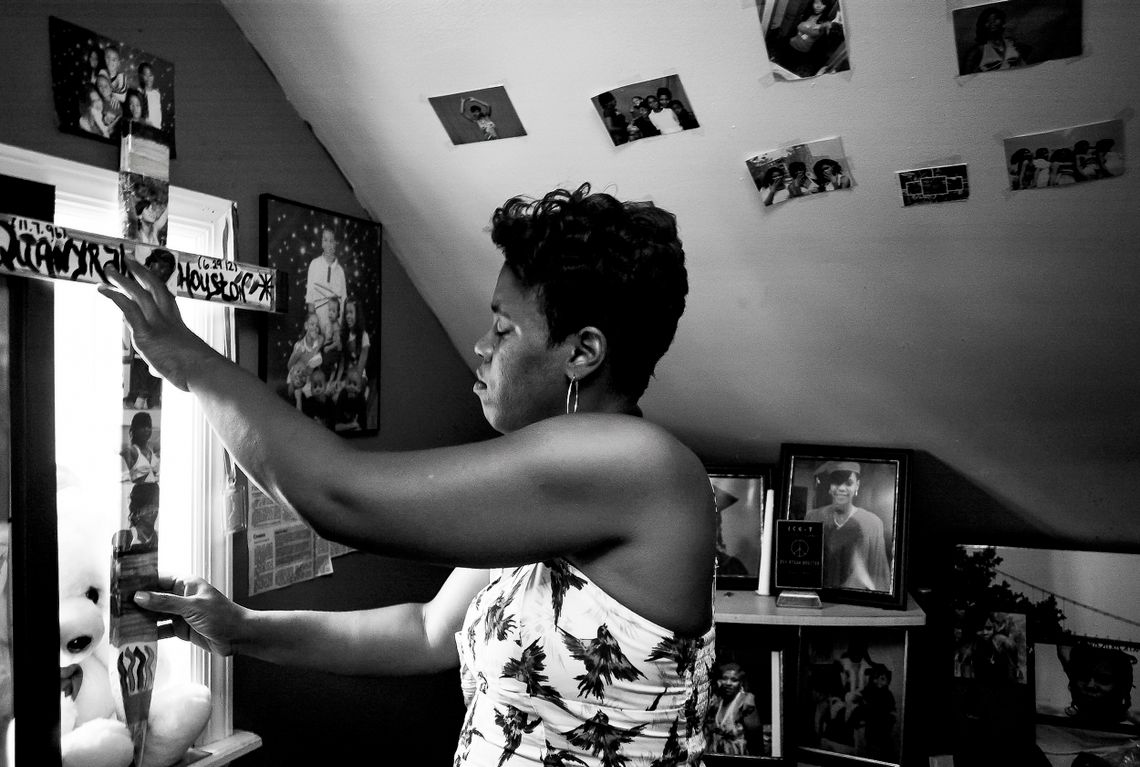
323 354
861 497
740 493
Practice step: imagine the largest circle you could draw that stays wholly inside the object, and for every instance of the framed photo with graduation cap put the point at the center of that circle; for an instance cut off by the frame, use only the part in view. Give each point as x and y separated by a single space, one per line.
861 497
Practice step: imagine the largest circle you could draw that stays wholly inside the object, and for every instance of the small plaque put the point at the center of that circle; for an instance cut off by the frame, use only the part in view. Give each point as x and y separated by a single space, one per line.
799 554
793 598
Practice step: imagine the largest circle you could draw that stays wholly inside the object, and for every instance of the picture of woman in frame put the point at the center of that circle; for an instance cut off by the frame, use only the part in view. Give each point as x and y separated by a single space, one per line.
854 545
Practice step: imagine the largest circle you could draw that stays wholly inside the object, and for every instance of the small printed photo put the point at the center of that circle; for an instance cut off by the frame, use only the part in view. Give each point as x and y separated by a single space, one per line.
800 170
1016 33
100 85
1066 156
143 203
1088 683
745 699
804 38
645 109
485 114
990 647
852 685
941 183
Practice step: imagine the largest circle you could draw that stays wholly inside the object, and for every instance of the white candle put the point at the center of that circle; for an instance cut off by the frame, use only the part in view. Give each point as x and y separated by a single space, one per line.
764 587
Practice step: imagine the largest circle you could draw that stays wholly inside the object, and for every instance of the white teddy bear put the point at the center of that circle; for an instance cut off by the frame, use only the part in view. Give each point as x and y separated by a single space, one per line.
91 708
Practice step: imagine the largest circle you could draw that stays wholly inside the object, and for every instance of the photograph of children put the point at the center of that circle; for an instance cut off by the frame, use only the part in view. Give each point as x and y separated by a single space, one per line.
745 697
99 85
857 503
1089 683
941 183
990 646
804 38
323 354
1066 156
1015 33
740 520
485 114
143 205
645 109
800 170
851 692
1082 613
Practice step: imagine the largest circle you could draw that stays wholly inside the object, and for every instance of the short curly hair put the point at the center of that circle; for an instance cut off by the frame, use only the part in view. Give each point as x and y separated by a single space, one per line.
593 260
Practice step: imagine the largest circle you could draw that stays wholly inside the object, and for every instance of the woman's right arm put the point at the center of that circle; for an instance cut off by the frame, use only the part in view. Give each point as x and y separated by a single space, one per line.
399 639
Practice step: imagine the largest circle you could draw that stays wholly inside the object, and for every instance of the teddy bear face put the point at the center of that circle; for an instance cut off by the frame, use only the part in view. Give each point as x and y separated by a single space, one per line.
81 625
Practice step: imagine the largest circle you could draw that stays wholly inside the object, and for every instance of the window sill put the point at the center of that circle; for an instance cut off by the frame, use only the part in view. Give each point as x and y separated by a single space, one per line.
222 751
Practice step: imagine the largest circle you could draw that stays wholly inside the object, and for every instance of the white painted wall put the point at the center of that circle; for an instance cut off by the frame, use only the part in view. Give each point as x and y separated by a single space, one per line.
1000 335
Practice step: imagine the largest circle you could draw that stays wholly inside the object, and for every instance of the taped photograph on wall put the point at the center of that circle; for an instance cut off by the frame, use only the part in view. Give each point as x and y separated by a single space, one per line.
1008 34
804 38
645 109
323 354
745 721
100 85
740 493
480 115
800 170
860 495
1066 156
940 183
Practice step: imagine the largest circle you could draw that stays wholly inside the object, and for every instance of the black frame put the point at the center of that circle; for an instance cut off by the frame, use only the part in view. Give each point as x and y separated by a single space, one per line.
754 473
791 457
359 239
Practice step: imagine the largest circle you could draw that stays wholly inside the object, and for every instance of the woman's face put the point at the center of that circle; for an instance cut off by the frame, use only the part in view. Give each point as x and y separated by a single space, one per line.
729 682
521 379
994 24
843 492
818 6
104 86
142 434
1097 684
134 107
112 59
151 212
350 315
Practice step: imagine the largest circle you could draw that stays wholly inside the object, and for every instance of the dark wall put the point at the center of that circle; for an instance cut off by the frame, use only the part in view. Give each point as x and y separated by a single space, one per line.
237 137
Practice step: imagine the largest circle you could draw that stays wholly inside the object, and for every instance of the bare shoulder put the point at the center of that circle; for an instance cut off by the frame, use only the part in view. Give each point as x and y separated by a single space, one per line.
641 457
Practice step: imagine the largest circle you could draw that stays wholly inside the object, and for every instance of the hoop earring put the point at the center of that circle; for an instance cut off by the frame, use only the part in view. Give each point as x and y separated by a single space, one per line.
572 388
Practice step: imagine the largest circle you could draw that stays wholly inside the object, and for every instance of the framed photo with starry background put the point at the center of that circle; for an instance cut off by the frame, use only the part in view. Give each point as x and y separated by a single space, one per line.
100 85
323 355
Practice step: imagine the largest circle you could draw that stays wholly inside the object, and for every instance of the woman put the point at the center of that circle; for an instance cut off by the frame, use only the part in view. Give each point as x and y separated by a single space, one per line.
91 112
995 656
140 459
580 608
854 550
774 185
1021 169
993 47
734 724
829 176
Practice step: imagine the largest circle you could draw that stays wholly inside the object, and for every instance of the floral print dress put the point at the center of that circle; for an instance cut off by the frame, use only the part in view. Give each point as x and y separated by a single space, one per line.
557 672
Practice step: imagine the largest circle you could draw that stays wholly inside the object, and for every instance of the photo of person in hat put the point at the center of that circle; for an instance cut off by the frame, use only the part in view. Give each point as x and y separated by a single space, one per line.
854 547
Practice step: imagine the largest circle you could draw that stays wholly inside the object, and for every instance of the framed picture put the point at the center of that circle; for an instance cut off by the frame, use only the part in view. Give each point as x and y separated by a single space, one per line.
100 85
323 354
748 699
740 494
849 708
1081 612
861 495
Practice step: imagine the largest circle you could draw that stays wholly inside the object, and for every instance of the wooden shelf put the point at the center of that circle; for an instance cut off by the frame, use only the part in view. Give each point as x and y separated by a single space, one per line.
750 607
222 751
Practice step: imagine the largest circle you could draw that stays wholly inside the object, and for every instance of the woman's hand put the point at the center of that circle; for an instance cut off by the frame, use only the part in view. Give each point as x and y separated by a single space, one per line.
201 614
157 329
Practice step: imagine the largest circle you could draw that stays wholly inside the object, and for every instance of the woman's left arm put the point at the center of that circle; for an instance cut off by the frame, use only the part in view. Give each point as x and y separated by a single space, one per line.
569 484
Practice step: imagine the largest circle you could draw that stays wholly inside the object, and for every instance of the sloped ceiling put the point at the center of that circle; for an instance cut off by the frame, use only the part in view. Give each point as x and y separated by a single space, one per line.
999 334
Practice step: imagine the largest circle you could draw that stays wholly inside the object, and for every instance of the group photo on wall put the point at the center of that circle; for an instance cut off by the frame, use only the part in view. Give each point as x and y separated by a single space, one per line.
323 355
